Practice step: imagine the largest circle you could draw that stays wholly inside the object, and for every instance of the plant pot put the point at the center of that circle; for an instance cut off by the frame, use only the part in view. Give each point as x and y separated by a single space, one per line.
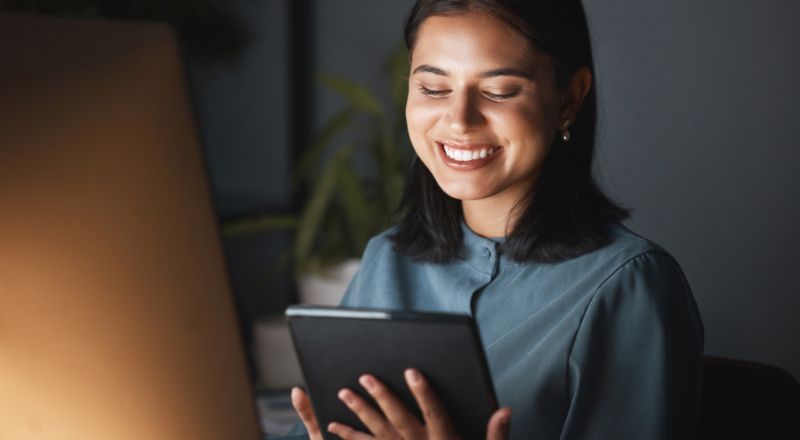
327 288
277 362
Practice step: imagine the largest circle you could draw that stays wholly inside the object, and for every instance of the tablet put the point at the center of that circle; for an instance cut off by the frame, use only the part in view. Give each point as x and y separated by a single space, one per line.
337 345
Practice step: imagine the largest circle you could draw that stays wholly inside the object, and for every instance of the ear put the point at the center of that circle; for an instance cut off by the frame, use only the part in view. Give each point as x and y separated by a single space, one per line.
579 87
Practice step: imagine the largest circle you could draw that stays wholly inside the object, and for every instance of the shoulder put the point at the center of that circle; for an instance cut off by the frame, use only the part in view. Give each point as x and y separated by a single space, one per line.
630 254
636 253
628 269
379 252
628 265
643 291
625 245
626 254
380 247
380 276
641 275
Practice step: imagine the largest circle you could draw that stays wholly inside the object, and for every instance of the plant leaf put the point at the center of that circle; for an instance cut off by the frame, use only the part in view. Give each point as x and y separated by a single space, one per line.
356 206
358 95
314 211
397 66
259 224
313 154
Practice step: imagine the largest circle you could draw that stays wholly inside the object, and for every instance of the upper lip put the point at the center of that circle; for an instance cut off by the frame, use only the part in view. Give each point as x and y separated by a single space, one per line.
466 145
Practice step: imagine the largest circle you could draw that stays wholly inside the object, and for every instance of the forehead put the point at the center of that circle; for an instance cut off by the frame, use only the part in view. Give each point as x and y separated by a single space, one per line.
473 40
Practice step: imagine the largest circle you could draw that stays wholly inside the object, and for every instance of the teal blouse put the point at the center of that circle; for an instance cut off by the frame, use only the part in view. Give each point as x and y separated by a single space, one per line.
608 345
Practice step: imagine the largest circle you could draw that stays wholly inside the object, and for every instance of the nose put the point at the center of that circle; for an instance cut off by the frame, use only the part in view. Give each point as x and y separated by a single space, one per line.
464 114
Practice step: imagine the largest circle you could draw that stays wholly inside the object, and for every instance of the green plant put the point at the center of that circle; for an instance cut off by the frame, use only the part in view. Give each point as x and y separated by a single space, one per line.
353 187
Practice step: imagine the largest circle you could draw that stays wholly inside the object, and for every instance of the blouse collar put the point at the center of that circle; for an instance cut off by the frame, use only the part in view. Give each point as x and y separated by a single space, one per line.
482 253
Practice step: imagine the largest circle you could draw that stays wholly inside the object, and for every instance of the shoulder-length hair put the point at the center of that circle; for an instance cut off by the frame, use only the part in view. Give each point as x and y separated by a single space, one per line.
566 215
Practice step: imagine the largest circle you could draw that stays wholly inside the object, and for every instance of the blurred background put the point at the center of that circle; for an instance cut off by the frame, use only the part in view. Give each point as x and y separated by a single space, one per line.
297 104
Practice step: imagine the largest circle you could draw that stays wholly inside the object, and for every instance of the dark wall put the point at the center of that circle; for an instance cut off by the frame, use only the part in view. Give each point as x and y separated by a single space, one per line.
699 135
243 106
353 38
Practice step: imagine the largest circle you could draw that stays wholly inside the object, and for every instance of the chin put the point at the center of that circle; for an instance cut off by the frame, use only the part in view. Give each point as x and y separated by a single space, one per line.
465 192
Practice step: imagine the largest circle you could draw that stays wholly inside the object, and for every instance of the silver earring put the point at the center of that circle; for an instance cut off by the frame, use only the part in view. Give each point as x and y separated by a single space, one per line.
565 134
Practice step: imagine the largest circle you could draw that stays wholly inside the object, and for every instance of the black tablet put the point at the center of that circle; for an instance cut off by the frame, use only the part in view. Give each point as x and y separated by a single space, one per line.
337 345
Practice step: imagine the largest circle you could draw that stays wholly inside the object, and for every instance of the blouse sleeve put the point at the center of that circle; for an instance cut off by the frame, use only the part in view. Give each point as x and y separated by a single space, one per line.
635 366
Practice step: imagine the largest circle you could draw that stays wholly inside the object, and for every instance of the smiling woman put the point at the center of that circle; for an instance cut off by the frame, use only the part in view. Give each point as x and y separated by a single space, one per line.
489 93
505 79
590 330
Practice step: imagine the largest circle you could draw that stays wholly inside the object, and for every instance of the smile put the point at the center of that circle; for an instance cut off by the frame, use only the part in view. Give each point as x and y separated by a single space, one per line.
467 156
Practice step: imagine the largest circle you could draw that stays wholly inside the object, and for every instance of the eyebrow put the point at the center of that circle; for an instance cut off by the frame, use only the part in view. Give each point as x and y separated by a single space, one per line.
505 71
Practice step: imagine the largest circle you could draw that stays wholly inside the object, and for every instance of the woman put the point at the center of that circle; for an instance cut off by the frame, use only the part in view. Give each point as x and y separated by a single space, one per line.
590 330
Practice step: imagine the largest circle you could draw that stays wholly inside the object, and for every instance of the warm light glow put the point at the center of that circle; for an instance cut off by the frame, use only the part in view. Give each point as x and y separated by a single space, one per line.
116 320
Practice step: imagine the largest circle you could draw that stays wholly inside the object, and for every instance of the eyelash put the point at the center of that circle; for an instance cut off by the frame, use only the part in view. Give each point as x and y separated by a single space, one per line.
492 96
433 93
495 97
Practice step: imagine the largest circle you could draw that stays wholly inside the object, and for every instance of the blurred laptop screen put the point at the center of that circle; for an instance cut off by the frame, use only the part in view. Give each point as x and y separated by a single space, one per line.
116 317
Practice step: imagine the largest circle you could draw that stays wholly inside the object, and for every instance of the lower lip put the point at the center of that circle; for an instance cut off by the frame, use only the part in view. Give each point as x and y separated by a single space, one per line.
470 164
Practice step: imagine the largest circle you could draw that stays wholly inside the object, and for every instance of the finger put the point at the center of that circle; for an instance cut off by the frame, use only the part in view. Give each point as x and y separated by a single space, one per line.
369 416
405 423
348 433
437 421
499 424
302 405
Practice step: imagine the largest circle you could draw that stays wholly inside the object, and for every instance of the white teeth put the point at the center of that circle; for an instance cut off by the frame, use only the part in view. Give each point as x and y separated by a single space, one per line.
467 155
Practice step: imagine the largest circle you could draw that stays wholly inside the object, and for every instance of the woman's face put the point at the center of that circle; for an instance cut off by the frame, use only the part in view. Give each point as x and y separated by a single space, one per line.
482 106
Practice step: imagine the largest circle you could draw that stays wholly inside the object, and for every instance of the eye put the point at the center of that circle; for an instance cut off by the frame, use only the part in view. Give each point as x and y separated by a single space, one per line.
500 97
433 93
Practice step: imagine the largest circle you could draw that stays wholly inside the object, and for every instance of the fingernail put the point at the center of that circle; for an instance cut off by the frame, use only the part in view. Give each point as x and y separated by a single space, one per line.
367 382
412 376
345 396
506 419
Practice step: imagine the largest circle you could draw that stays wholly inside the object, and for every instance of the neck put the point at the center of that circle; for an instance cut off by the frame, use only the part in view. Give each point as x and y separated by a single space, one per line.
489 217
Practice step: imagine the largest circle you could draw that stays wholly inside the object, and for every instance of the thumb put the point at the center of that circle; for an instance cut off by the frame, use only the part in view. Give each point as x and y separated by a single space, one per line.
499 424
302 405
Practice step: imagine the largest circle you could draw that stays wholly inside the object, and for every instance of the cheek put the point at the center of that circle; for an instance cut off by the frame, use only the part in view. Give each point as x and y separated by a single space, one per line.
421 117
522 124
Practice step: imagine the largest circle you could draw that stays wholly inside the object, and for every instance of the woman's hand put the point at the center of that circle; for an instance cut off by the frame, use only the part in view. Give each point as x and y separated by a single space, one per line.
302 405
395 421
